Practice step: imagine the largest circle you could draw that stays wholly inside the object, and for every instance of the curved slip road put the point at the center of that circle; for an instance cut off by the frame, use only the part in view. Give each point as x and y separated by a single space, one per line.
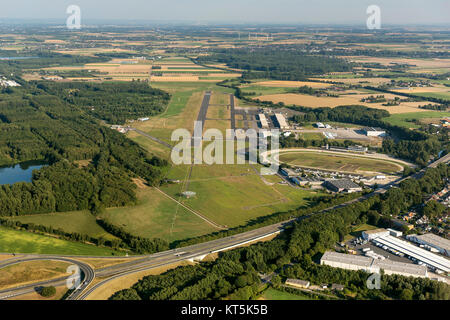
87 276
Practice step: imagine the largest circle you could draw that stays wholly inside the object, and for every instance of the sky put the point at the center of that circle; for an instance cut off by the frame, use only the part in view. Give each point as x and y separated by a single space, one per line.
399 12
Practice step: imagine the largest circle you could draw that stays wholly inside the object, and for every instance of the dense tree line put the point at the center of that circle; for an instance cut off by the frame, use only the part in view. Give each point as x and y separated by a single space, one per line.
112 102
70 236
234 274
281 63
137 244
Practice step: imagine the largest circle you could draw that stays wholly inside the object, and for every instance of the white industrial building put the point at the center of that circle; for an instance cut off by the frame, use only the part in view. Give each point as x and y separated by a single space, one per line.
371 265
372 234
433 241
374 132
263 120
415 253
281 121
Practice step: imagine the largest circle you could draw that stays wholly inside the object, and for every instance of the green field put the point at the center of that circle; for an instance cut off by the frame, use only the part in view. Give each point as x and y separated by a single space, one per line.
233 195
82 222
157 216
273 294
16 241
407 119
438 95
177 103
337 162
263 90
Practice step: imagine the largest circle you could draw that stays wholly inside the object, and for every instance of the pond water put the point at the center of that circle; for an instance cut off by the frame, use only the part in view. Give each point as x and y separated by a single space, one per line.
20 172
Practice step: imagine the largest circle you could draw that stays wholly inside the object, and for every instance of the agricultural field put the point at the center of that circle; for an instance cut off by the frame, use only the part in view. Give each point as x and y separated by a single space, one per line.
344 99
26 242
409 120
342 163
82 222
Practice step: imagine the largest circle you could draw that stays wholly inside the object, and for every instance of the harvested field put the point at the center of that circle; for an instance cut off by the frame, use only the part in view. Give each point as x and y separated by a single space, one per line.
317 102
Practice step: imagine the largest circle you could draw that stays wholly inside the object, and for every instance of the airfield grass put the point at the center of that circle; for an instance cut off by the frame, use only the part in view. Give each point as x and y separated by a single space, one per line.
156 216
338 162
25 242
407 119
154 148
236 199
82 222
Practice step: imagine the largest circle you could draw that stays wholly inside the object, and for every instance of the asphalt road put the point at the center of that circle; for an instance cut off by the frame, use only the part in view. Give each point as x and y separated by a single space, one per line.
87 275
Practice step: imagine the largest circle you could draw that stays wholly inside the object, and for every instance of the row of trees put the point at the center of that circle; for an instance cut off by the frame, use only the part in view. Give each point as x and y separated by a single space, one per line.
277 62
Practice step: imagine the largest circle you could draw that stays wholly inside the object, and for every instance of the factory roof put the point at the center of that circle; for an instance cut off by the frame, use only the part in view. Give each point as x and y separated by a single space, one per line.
347 258
435 240
401 267
343 184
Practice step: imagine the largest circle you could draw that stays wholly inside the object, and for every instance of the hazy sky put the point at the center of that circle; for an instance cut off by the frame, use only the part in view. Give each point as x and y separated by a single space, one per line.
234 11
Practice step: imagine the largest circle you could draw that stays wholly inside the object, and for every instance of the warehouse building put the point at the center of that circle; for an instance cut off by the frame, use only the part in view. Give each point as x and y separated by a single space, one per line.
372 234
281 120
374 132
413 252
342 185
371 265
433 241
263 121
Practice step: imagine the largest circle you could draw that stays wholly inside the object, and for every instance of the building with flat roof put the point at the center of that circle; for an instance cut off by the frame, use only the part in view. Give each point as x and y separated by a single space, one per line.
414 252
374 132
372 265
432 240
298 283
372 234
342 185
281 120
263 121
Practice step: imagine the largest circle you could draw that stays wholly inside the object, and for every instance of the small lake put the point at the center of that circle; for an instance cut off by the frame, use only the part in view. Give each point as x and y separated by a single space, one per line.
21 172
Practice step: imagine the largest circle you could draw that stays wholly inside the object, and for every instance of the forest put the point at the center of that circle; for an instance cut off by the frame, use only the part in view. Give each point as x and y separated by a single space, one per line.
114 103
294 254
276 62
35 125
